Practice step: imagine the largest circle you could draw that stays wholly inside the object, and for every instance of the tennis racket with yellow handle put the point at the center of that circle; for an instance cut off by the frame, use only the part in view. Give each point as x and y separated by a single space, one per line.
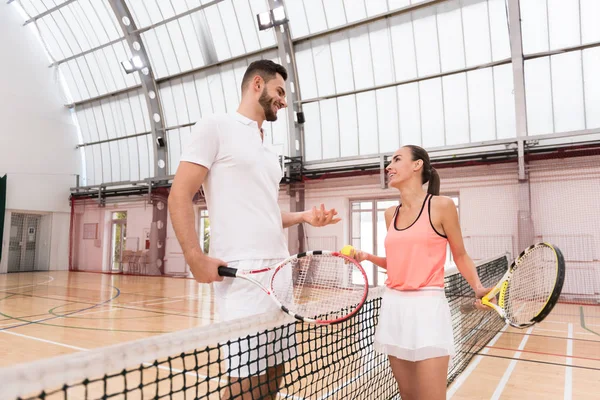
529 289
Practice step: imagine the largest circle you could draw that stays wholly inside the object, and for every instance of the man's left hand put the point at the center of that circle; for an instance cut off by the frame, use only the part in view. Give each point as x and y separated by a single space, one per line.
320 216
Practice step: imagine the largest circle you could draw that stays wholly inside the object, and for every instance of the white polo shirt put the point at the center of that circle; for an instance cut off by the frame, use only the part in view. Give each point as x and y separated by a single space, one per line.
241 188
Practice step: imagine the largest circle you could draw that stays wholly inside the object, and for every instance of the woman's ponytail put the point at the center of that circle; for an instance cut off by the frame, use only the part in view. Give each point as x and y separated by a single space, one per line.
434 183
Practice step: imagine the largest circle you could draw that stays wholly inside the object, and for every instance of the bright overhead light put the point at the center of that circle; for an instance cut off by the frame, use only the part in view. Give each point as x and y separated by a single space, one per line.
133 64
264 19
137 61
279 15
271 18
127 66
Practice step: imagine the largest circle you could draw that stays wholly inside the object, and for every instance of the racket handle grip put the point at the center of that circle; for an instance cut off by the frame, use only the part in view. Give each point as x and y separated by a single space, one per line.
226 271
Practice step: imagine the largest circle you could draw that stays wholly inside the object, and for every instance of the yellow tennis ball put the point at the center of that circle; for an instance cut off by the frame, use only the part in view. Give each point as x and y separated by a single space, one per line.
348 250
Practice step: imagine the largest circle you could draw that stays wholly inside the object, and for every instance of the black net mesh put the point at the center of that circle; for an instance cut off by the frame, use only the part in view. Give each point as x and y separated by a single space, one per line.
330 362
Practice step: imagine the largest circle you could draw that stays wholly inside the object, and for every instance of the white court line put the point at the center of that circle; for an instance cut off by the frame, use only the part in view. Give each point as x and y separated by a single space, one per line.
463 377
21 287
548 330
569 369
511 367
44 340
83 349
557 331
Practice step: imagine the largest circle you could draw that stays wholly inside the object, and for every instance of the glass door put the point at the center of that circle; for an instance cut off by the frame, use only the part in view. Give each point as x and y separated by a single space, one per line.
119 237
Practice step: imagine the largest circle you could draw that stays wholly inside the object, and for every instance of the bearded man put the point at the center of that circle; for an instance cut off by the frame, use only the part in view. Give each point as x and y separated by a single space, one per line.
240 174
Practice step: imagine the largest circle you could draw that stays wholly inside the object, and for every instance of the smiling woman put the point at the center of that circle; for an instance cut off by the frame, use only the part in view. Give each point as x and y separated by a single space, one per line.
402 161
415 328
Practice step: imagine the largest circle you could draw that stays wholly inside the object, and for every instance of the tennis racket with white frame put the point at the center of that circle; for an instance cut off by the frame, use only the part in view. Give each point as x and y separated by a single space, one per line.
529 289
319 287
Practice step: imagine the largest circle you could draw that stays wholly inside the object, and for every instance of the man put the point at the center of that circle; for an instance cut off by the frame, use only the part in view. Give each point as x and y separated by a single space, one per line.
226 154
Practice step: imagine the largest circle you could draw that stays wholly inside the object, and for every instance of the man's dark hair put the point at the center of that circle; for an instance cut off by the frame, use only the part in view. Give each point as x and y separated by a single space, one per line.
266 69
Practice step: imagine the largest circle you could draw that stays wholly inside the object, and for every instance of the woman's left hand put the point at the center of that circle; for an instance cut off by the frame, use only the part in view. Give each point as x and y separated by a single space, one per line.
479 293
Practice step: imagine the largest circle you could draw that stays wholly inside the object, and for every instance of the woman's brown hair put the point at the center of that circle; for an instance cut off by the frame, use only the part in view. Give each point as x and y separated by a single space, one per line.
428 173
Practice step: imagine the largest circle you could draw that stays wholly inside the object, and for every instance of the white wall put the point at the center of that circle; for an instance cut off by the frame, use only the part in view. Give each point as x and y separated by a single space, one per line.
43 243
88 252
37 135
59 251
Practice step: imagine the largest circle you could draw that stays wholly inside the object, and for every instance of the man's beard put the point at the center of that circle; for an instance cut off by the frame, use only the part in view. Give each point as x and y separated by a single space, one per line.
266 103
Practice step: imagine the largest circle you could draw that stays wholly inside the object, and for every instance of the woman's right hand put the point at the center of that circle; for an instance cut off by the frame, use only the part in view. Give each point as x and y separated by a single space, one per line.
360 256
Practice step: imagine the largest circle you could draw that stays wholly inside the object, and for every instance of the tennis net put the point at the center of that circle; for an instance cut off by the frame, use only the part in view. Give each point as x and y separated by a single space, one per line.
331 362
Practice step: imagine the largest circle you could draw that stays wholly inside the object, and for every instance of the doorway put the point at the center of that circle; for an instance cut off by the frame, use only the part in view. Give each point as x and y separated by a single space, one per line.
24 232
119 237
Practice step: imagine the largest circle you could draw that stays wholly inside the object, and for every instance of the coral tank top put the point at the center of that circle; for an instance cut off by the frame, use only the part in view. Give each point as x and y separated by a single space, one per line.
415 255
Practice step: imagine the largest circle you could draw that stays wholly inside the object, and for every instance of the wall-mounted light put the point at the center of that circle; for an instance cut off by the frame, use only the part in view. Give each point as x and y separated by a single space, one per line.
271 18
133 64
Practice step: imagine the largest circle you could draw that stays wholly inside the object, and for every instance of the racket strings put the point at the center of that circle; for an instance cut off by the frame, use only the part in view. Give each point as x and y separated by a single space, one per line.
300 280
531 285
320 286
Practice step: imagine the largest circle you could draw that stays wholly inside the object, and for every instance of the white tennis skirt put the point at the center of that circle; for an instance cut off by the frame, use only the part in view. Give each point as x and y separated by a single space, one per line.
415 325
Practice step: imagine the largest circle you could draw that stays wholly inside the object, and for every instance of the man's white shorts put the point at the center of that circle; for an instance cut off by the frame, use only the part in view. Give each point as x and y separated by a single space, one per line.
237 298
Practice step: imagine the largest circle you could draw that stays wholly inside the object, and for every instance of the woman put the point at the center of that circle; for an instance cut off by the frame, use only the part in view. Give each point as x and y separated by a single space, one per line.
415 328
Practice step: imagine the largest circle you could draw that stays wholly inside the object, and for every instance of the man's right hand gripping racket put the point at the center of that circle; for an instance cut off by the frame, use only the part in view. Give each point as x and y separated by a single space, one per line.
529 289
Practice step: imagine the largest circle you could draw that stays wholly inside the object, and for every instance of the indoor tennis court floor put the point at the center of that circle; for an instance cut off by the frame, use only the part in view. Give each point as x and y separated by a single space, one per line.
46 314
